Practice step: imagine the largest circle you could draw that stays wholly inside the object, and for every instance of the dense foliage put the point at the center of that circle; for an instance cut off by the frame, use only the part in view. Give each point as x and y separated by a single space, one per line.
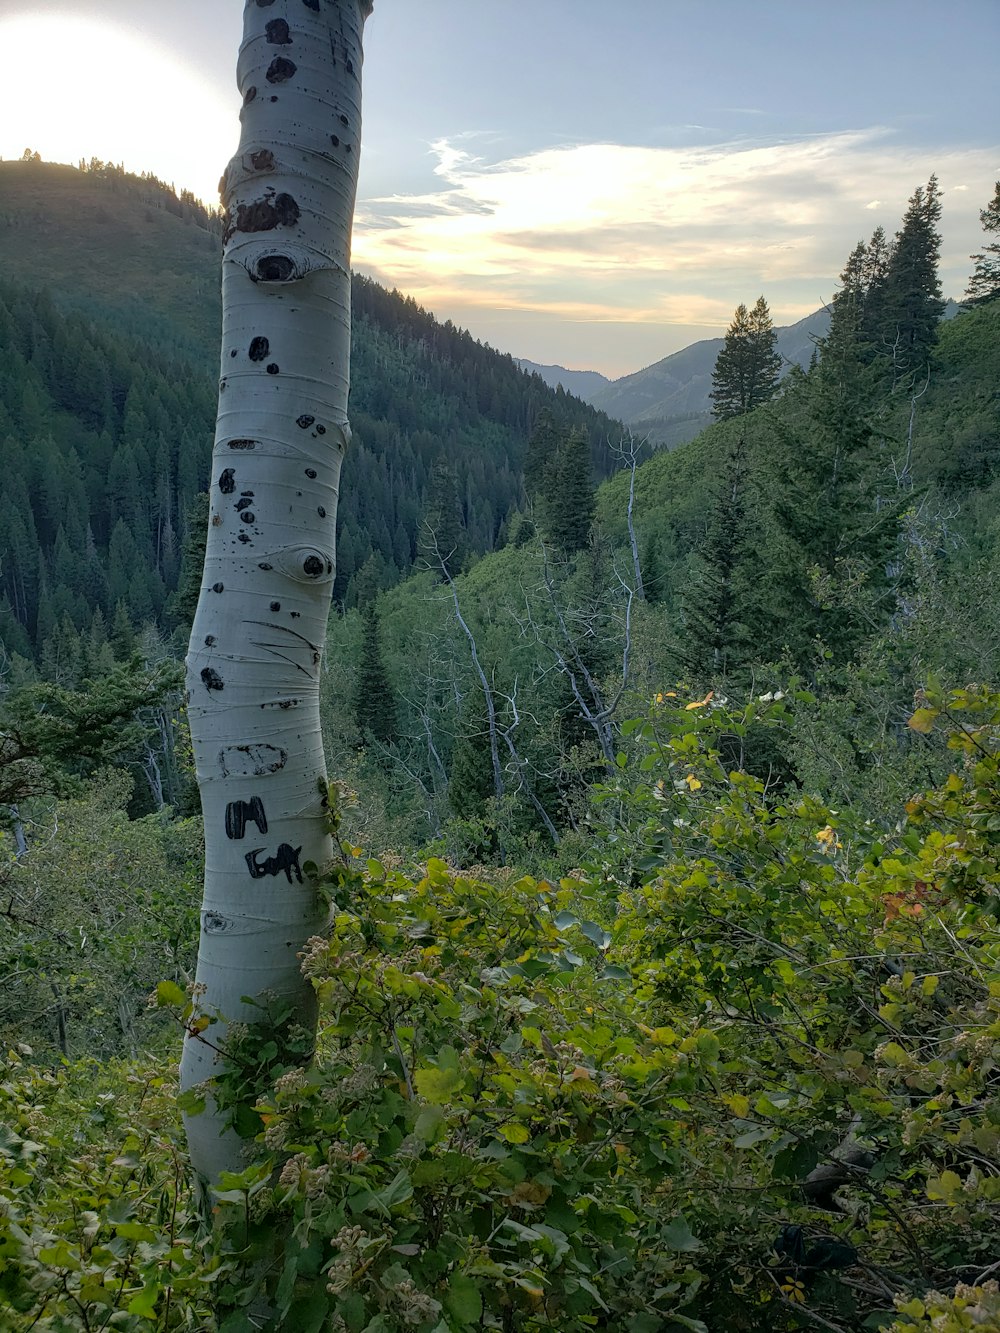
738 1070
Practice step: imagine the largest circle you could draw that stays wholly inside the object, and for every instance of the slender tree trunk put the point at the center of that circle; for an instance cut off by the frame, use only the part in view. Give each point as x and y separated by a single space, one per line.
253 664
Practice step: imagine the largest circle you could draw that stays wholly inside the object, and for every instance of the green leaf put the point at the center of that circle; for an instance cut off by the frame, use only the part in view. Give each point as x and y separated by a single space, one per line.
438 1085
677 1235
430 1124
169 994
135 1231
237 1323
399 1189
143 1303
596 934
514 1132
462 1300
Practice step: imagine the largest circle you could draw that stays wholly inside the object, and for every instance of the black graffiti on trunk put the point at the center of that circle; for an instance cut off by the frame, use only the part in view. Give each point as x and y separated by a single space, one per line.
285 860
241 813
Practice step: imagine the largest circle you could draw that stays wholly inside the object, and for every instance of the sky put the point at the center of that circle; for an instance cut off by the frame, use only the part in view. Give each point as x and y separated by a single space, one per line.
589 183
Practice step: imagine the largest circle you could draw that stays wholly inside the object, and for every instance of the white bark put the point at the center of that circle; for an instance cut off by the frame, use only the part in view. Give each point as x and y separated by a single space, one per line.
254 660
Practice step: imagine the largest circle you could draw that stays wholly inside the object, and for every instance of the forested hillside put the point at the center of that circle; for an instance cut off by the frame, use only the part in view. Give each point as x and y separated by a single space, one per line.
107 405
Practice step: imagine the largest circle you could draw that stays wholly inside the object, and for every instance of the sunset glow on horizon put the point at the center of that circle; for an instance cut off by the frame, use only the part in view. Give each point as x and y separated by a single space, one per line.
582 222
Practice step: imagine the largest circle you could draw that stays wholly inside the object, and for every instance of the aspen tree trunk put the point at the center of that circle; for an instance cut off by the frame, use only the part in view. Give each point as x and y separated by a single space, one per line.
253 665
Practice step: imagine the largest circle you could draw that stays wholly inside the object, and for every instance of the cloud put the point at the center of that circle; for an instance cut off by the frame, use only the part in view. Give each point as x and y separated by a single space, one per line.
605 231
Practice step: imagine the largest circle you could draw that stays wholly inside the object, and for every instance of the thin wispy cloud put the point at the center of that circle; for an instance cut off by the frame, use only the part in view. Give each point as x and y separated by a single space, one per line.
660 235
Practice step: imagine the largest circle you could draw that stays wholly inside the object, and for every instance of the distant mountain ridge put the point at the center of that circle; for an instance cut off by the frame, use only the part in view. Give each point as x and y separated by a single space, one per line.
583 383
669 400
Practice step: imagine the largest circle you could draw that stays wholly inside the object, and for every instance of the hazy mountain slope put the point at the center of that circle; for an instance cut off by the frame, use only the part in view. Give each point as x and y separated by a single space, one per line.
584 383
674 392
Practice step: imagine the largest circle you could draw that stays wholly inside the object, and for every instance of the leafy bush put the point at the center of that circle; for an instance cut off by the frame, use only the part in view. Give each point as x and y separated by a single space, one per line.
738 1072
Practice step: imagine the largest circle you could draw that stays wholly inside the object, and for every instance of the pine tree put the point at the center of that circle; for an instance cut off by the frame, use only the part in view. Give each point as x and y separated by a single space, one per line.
746 369
858 306
442 536
719 598
543 448
984 284
374 702
913 305
470 776
834 540
569 503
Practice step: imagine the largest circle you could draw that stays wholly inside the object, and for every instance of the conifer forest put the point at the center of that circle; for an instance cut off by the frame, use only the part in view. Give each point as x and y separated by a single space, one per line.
601 917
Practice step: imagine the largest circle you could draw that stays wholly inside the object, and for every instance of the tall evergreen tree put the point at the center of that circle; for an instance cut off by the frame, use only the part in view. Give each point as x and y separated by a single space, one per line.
543 448
984 284
857 308
374 702
442 537
570 503
719 598
913 306
835 539
746 369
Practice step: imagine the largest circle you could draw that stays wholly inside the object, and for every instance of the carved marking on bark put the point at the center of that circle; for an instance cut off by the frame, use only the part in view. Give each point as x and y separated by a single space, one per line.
248 97
215 924
285 860
262 160
312 4
241 813
259 349
212 679
305 421
311 473
242 503
227 482
273 368
218 587
252 761
242 444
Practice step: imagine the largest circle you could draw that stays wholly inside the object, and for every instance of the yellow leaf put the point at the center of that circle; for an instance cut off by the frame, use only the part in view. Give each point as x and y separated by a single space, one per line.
692 782
739 1105
515 1132
701 702
923 720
